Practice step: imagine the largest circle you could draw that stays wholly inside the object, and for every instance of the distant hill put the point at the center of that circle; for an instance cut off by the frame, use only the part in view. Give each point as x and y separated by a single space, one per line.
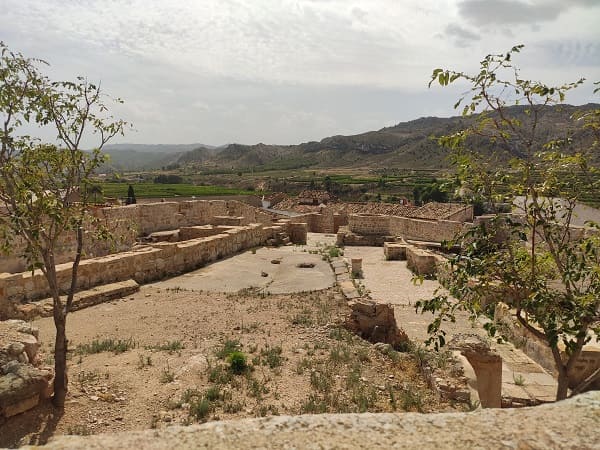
155 148
405 145
130 157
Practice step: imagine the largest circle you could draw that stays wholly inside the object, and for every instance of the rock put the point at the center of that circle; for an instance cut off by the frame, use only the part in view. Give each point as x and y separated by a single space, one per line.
21 387
376 323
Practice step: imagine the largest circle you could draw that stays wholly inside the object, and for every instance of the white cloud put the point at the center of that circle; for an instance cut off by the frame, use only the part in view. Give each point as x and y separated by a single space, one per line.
290 70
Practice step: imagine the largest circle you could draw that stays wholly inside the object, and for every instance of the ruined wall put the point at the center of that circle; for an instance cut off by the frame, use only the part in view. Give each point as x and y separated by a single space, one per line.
406 227
464 215
149 263
369 225
126 223
425 230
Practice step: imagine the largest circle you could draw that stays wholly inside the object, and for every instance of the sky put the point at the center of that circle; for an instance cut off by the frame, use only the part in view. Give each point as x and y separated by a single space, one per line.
290 71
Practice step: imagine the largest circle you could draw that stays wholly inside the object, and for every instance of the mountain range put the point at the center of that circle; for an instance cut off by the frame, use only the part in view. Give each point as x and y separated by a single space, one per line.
405 145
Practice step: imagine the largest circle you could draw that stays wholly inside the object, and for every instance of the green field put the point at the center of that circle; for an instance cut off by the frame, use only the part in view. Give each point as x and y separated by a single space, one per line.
156 190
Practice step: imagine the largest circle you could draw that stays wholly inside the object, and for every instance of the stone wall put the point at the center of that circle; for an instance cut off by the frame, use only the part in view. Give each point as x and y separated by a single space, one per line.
127 223
569 424
405 227
144 264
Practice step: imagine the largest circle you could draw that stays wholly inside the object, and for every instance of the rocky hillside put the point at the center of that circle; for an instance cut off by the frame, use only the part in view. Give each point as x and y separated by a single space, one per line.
406 145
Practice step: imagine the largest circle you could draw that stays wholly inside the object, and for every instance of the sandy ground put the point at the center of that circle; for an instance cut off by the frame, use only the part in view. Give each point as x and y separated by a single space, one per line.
275 270
321 368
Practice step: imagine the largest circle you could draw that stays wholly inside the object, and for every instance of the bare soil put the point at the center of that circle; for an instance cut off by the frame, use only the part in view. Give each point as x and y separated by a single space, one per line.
171 367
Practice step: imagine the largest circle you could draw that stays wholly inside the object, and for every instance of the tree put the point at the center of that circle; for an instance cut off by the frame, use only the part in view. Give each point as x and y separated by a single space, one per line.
534 259
95 190
39 180
131 200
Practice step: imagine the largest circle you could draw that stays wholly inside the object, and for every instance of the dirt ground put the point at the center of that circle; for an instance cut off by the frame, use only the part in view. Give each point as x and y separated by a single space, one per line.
163 359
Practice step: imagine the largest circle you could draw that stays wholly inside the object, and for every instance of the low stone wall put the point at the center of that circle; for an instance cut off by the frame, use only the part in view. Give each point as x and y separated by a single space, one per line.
405 227
127 223
395 251
145 264
422 262
571 424
369 224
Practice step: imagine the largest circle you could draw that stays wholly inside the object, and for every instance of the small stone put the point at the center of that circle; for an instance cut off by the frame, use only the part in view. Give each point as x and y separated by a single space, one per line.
94 398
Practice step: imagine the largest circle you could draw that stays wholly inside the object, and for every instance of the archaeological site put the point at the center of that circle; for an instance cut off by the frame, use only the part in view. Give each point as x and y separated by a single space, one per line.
222 324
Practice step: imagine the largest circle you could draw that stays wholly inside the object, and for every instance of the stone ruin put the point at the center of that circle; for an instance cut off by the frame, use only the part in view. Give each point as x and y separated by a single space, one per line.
24 382
170 238
375 322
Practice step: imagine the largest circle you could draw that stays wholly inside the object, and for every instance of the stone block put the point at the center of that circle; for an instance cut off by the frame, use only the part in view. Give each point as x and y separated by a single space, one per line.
376 323
487 365
394 251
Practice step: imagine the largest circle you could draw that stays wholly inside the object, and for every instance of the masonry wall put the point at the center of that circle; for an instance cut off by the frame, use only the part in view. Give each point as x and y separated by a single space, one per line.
127 223
149 263
369 224
406 227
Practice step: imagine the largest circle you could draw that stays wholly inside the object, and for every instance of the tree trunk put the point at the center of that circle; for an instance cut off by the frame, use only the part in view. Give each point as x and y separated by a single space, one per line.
60 361
60 342
563 374
563 385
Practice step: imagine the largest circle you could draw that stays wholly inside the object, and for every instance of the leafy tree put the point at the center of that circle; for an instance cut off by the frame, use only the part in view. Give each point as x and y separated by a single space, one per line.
168 179
45 187
131 200
95 190
534 259
433 192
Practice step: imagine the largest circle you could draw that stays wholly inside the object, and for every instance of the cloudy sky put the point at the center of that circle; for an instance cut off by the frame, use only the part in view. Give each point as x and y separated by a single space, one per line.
287 71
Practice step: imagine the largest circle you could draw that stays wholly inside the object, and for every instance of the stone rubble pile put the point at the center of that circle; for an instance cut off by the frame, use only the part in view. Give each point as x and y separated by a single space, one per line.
23 383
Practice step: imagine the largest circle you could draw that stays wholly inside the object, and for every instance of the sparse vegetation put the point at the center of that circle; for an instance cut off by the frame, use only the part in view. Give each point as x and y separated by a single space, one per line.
106 345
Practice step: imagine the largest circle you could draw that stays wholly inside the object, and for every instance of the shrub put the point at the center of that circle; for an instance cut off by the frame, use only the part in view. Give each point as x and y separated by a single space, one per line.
238 362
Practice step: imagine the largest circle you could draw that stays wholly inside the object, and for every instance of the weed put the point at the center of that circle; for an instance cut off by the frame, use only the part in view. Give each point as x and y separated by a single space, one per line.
304 363
213 394
200 409
364 397
322 380
392 396
79 430
519 380
171 346
233 407
257 389
353 378
228 348
106 345
302 319
271 356
411 398
314 405
144 361
363 354
339 354
219 375
189 394
167 375
264 410
237 362
340 334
